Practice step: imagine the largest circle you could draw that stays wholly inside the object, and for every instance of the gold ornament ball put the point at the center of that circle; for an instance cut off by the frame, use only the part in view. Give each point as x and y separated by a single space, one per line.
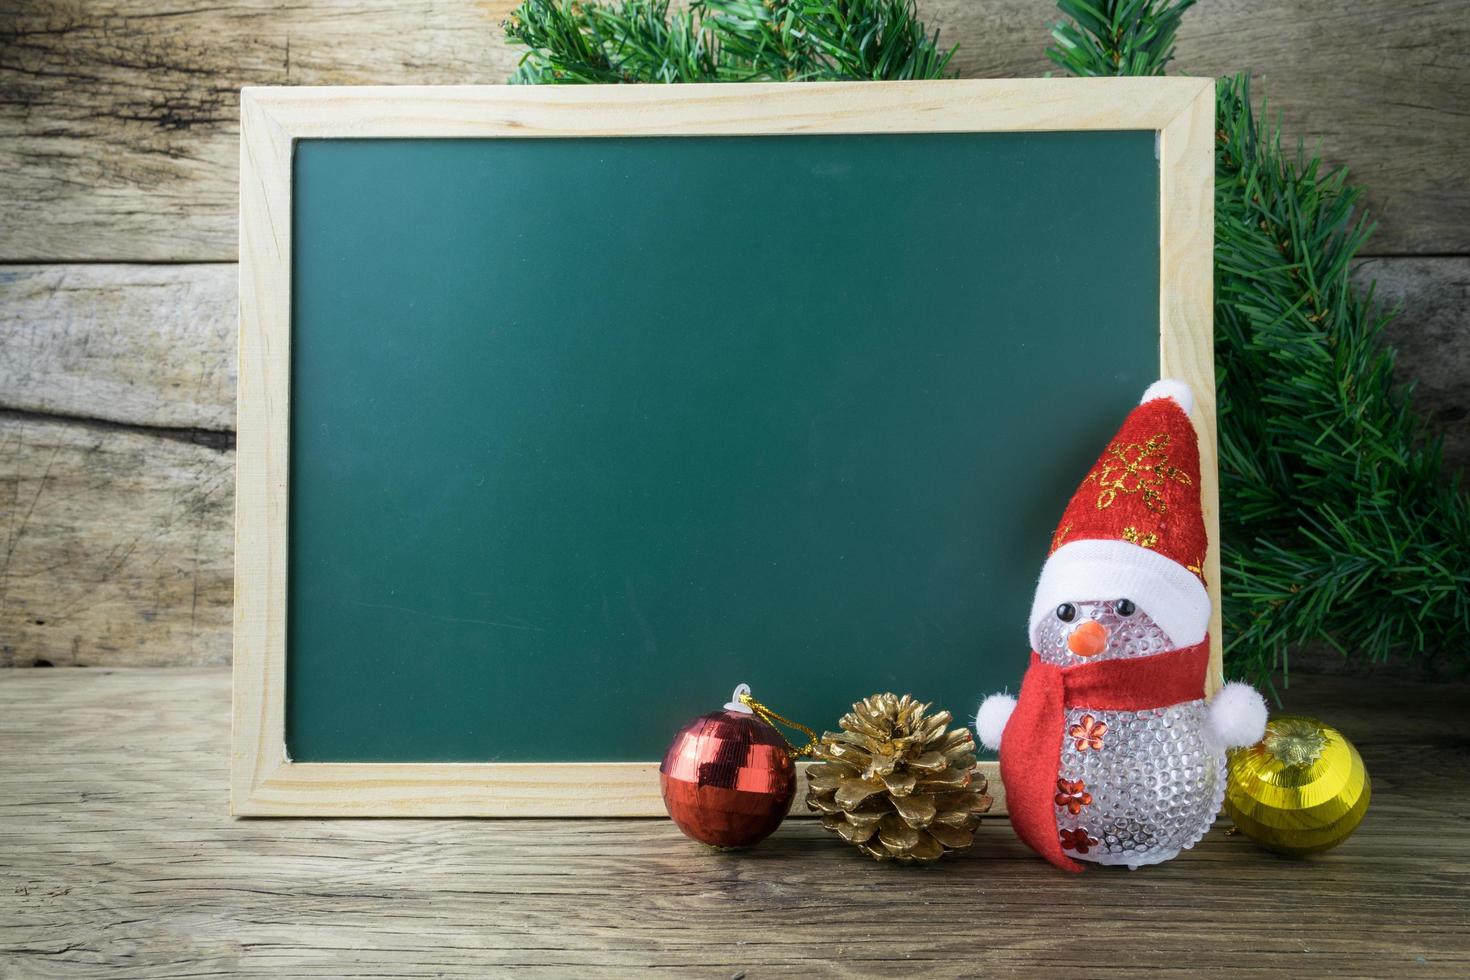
1300 790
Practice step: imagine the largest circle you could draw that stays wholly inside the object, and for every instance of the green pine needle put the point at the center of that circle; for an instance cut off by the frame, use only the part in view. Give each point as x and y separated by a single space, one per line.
571 42
637 41
1117 37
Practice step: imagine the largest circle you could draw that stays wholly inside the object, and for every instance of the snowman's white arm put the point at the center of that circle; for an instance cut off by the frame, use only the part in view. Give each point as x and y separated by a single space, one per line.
990 720
1238 715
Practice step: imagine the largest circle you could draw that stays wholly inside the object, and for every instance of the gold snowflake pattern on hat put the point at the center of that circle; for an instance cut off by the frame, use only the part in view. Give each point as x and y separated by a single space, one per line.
1141 468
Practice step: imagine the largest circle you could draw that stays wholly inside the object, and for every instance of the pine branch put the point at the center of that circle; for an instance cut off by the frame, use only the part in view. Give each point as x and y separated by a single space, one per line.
1117 37
869 40
569 41
1337 522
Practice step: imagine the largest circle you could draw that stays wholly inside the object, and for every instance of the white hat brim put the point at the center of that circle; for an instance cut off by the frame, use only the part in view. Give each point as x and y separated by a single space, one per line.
1094 570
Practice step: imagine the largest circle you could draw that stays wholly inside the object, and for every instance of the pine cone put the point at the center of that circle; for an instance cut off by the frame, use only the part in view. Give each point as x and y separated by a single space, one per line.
896 783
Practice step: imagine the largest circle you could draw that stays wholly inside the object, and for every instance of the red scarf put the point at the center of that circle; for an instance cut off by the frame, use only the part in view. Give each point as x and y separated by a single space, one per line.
1031 745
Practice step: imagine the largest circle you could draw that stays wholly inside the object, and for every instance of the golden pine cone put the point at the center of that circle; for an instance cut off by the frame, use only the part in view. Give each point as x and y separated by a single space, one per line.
896 782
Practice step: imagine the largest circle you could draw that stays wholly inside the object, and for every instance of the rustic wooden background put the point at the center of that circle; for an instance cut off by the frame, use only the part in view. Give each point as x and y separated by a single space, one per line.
118 129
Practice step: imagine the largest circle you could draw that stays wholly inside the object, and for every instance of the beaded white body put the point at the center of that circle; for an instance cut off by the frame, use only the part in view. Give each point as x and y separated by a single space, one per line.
1134 787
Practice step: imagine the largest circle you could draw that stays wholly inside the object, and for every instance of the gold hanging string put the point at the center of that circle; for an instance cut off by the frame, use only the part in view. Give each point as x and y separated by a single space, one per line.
772 719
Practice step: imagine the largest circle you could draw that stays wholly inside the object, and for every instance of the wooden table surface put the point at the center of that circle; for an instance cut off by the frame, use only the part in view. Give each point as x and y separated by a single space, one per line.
116 856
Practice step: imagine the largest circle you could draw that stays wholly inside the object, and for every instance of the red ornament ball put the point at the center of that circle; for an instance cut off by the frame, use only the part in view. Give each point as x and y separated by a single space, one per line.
728 778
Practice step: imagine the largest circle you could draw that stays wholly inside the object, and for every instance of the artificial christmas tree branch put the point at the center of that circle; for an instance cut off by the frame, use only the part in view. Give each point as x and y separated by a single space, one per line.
723 41
1338 524
1122 37
636 41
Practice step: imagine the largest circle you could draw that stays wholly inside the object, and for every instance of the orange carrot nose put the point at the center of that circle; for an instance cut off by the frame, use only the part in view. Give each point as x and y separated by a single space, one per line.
1088 639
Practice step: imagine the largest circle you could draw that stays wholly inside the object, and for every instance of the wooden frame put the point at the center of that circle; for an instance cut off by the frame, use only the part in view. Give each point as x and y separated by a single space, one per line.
263 781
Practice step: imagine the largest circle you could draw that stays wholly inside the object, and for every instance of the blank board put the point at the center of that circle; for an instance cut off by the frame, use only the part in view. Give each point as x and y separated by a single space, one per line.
577 430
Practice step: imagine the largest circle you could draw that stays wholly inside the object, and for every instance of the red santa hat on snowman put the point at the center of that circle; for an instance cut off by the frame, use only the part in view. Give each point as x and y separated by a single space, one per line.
1135 526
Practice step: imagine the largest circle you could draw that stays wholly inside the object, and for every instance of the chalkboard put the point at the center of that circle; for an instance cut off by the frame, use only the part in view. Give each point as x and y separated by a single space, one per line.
584 430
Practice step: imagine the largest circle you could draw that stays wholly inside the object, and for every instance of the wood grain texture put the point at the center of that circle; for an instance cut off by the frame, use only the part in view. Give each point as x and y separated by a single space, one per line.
1186 149
118 859
146 345
1379 87
114 546
1432 336
756 109
466 789
118 121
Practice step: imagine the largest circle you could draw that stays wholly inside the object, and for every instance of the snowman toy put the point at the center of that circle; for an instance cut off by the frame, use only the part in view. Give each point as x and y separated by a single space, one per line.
1111 753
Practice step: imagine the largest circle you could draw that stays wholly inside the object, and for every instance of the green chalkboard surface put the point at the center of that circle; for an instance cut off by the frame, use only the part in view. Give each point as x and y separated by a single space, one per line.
586 431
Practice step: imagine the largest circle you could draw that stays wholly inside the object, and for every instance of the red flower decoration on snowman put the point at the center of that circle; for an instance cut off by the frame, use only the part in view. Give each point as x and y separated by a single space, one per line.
1088 733
1072 796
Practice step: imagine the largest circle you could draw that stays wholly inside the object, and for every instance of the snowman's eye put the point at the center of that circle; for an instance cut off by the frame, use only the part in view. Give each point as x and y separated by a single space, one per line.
1125 607
1066 612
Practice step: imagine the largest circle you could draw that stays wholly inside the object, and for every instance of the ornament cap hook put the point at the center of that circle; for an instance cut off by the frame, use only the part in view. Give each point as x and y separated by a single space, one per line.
735 704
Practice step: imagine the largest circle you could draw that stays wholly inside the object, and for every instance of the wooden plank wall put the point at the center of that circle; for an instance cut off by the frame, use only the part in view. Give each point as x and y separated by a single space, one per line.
118 141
